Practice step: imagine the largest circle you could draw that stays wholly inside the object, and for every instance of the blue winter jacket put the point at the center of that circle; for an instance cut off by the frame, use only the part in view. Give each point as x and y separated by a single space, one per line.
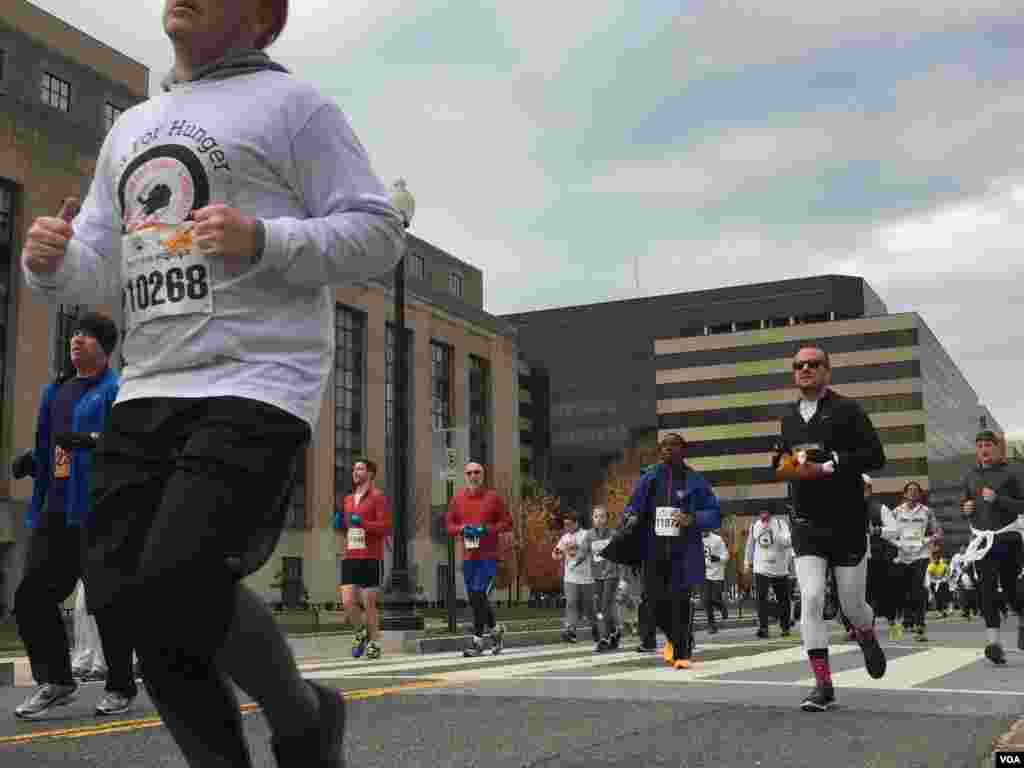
689 492
90 415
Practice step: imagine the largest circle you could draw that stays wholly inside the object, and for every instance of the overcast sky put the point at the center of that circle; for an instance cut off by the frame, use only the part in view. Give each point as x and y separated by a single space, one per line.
554 143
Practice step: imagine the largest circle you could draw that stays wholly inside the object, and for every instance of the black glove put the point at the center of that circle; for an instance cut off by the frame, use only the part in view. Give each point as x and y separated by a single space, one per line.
630 522
714 558
24 466
71 440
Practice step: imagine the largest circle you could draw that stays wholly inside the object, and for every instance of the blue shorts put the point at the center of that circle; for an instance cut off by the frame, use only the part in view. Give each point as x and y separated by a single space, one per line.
479 575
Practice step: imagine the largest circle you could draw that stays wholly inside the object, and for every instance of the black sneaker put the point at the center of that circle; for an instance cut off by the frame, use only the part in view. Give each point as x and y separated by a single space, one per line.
712 629
476 647
762 633
644 648
994 653
821 699
786 632
614 640
603 645
874 656
568 636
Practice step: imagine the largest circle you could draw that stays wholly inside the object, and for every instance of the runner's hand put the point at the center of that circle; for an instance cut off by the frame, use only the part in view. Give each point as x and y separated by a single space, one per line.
225 233
988 494
968 506
46 242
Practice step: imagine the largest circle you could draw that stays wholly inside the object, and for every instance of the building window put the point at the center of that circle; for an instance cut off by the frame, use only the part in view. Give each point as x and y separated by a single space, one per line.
479 409
748 325
777 322
3 55
816 317
348 396
67 317
389 393
56 92
720 328
295 518
441 385
455 284
416 265
110 115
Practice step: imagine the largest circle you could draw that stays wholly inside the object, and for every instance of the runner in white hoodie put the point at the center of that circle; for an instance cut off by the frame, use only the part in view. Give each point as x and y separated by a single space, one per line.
221 214
912 528
768 552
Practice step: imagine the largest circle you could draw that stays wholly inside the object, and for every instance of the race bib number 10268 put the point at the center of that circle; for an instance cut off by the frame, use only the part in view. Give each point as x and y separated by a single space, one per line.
162 274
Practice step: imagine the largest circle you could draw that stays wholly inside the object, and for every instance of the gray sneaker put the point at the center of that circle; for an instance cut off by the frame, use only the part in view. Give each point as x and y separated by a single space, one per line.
498 639
45 698
114 703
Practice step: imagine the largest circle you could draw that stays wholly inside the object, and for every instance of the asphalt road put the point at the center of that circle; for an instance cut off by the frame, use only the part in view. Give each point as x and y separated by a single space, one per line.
941 704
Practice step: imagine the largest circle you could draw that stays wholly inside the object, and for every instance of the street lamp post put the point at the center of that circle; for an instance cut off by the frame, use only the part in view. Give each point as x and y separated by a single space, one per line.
398 603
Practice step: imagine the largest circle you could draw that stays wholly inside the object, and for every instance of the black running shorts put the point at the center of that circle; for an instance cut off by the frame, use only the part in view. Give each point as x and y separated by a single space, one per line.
361 573
840 547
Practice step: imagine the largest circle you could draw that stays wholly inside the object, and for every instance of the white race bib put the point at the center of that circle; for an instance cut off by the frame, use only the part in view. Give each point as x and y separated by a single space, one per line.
163 274
357 538
597 548
663 525
472 542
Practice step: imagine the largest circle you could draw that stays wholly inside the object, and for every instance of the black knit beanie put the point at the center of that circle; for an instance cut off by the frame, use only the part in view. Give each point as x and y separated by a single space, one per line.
101 328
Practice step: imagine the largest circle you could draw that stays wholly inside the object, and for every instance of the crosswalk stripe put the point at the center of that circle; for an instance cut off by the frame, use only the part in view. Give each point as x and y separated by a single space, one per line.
907 671
705 669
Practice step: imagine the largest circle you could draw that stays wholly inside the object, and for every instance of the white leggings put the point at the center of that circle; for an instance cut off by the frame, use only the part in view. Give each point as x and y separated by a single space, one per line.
850 584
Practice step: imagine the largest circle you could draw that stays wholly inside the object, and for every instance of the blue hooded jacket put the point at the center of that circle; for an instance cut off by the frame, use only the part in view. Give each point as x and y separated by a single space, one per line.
690 492
90 415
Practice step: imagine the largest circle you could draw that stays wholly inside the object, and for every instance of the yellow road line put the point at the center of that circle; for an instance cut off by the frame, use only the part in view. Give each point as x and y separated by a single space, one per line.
124 726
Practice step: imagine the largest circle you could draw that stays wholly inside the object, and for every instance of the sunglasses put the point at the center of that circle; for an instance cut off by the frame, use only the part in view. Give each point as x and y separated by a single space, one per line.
814 365
473 472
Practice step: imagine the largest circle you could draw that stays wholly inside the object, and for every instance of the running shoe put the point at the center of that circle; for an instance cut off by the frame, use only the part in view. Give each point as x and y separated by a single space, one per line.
373 650
44 699
712 629
114 703
644 648
920 634
1020 638
476 647
569 636
681 664
762 633
603 645
821 699
614 640
994 653
874 656
359 643
497 639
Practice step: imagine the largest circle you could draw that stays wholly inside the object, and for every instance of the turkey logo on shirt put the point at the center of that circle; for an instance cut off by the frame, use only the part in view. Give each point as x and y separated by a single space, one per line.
163 185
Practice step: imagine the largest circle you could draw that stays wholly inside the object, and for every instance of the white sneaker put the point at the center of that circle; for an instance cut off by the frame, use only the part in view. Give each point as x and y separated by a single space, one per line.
46 698
114 704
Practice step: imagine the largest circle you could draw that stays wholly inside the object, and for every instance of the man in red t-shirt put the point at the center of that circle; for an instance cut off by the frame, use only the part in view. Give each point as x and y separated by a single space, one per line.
365 521
478 515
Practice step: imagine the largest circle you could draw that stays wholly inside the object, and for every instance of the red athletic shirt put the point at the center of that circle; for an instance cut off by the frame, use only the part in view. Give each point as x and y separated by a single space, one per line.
487 508
374 511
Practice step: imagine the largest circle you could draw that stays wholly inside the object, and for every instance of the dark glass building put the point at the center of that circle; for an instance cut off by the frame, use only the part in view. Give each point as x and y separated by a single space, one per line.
715 366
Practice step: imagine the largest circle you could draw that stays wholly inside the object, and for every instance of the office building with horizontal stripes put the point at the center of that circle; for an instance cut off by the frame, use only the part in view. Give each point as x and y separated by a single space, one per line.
715 366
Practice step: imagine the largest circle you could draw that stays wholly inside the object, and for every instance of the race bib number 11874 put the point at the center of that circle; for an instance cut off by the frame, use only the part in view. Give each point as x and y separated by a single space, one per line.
163 274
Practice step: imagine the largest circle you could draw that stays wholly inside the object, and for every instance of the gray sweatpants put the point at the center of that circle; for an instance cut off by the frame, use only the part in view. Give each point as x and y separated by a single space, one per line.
579 602
604 601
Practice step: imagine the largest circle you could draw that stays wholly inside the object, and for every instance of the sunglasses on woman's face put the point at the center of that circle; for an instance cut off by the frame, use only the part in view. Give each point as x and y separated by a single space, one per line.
814 365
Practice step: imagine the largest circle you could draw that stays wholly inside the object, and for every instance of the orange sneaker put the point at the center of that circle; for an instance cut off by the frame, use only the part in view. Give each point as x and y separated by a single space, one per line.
681 664
667 653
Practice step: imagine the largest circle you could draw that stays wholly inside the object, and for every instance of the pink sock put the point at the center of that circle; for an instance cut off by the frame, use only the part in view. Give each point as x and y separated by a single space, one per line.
821 671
